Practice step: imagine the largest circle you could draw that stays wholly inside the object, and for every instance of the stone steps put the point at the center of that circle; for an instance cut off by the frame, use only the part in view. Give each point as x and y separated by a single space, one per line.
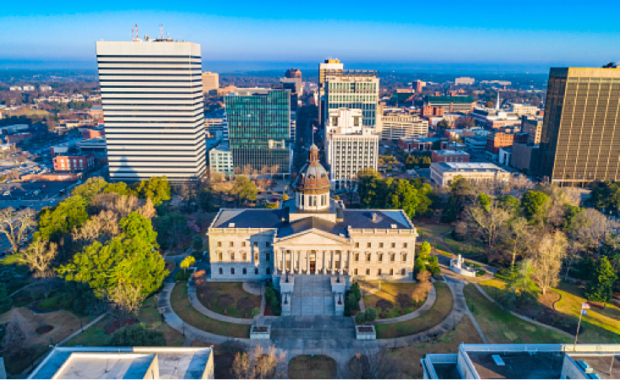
312 295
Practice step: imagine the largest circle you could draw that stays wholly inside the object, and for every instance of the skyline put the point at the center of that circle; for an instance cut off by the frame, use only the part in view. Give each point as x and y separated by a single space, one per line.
530 37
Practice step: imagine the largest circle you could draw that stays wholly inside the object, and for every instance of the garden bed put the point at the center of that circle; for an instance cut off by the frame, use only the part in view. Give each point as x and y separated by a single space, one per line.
227 298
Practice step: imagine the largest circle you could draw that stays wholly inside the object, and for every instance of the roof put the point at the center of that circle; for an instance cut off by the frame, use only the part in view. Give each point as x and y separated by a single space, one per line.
450 99
248 218
123 362
518 365
307 224
467 166
385 219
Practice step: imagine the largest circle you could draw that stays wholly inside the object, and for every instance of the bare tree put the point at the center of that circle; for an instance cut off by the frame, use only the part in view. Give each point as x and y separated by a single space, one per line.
370 364
16 225
127 298
258 363
517 238
15 337
547 258
39 258
101 227
420 292
487 224
147 210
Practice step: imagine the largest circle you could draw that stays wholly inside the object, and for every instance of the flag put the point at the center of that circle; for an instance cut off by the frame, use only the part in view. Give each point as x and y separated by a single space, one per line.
584 312
585 306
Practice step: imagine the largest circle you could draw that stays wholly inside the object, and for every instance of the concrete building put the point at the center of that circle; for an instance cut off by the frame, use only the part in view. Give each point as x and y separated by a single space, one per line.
293 73
332 67
223 91
464 81
221 160
476 144
523 156
126 363
504 156
312 238
355 89
416 143
45 88
96 146
151 92
449 156
525 361
396 125
457 103
533 127
210 81
442 173
350 146
74 163
524 109
28 87
259 128
579 141
494 118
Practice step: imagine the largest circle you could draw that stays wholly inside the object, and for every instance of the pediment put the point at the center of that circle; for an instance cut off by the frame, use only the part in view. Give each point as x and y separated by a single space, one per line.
313 236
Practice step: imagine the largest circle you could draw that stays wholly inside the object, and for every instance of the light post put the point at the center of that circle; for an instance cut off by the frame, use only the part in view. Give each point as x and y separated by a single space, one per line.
584 307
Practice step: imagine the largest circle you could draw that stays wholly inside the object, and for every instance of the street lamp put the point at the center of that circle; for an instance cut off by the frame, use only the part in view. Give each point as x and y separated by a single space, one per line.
584 307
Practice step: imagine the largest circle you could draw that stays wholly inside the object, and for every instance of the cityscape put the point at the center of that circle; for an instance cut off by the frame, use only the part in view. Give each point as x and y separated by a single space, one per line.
380 198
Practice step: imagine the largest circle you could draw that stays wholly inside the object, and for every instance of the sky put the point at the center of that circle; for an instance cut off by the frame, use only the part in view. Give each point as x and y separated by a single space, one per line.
523 35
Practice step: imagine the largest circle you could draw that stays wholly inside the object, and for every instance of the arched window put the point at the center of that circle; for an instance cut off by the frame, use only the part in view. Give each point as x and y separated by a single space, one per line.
219 256
392 256
357 257
232 256
368 257
391 272
244 256
355 271
381 257
404 257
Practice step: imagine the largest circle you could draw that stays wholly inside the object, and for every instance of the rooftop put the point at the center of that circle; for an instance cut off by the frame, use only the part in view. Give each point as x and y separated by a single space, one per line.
517 365
124 362
605 366
447 152
467 166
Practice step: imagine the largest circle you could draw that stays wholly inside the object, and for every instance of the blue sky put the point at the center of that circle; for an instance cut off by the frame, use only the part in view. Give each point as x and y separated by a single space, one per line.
527 33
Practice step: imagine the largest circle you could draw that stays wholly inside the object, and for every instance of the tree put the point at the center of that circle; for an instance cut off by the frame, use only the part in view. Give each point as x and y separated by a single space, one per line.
424 286
443 124
246 305
6 302
243 190
517 238
258 363
370 364
600 286
126 298
360 318
487 225
197 242
16 225
156 188
547 258
535 205
404 301
465 122
137 336
90 188
224 301
371 314
425 249
205 200
15 336
39 258
384 305
187 262
54 223
173 229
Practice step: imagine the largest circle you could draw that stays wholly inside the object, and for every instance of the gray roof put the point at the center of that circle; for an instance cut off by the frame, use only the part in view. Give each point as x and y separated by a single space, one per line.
385 219
310 223
248 218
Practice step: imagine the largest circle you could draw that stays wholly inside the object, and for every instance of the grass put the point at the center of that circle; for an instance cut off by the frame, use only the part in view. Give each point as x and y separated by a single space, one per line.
408 358
600 326
93 336
467 249
181 306
312 367
500 326
432 231
64 323
389 291
438 312
233 289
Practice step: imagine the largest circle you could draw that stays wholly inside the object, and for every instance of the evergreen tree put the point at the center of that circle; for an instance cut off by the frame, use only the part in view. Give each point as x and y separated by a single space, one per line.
600 286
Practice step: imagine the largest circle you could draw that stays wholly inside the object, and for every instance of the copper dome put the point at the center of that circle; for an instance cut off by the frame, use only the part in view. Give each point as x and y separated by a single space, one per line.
313 178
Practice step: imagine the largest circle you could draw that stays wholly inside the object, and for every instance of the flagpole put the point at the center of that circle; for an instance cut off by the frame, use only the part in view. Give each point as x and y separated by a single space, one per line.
578 326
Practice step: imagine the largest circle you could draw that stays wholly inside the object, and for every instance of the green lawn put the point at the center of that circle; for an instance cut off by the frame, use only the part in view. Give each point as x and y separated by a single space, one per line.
389 291
312 367
93 336
232 289
500 326
465 248
181 306
432 231
438 312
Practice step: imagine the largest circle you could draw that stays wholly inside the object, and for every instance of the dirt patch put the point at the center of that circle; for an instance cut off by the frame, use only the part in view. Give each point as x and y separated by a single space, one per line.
115 325
43 329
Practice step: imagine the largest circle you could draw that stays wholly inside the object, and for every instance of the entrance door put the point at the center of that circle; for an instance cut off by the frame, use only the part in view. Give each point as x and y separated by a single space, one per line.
312 266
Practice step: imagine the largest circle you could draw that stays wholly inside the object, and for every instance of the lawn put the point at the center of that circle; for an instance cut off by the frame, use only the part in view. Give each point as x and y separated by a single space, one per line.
408 358
389 291
238 296
181 306
431 231
500 326
93 336
36 344
312 367
465 248
438 312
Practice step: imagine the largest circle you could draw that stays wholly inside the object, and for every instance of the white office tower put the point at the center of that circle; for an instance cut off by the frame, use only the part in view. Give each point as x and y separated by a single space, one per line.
350 146
151 92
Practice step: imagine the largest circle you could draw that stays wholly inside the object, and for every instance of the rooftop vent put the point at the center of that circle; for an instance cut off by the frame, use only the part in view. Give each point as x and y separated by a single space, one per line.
231 225
394 226
373 216
498 361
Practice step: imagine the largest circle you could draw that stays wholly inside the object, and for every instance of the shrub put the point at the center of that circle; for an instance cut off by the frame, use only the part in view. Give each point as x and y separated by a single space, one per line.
371 314
480 272
273 299
350 304
137 335
182 276
360 318
285 197
435 271
355 289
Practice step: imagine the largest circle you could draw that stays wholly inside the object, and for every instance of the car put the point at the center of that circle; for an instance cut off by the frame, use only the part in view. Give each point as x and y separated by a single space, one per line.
6 193
274 199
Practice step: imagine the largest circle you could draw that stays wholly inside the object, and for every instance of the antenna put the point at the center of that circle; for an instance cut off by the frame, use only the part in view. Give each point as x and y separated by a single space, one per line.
132 32
137 34
161 32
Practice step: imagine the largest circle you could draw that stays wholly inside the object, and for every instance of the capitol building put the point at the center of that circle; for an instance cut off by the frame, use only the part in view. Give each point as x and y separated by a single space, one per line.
311 235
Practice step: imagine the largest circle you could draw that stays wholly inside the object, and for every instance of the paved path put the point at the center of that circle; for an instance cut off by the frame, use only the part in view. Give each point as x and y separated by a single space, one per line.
257 289
193 299
430 301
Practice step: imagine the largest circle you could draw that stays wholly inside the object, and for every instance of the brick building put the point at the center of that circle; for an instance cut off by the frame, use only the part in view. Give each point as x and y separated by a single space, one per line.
449 156
410 144
498 140
74 163
92 133
19 137
426 111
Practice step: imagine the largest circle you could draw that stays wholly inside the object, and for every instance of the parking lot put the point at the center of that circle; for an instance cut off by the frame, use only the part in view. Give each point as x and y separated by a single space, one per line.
37 191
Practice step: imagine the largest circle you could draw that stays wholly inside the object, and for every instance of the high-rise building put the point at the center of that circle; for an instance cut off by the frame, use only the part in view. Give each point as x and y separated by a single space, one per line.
356 89
350 146
259 128
210 81
580 140
293 73
151 92
396 125
329 66
418 86
533 127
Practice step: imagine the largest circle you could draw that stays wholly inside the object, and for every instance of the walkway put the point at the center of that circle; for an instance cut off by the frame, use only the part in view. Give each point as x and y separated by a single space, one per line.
193 299
312 295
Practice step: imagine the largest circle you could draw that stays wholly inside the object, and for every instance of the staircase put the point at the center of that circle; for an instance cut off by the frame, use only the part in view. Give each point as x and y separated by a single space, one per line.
312 295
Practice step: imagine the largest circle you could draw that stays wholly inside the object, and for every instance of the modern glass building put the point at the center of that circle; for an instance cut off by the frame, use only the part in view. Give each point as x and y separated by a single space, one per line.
259 129
580 139
353 89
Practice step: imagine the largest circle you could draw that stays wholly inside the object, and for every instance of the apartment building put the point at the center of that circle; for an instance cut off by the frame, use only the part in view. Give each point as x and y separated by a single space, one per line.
210 81
396 125
354 89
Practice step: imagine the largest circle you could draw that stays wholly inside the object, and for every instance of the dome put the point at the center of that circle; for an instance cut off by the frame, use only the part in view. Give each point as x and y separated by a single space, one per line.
313 178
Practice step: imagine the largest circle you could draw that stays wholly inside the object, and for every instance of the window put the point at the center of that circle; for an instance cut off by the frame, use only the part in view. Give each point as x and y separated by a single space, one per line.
368 257
244 256
392 256
221 271
391 272
367 272
267 244
269 271
368 245
357 245
379 272
255 244
404 245
255 270
219 256
267 256
354 271
232 270
380 245
393 245
357 257
219 243
245 271
243 244
381 257
256 257
232 256
231 244
403 272
404 257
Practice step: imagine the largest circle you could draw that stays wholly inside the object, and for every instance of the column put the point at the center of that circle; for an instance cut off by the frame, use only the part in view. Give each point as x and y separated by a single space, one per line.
331 262
308 262
341 261
323 261
349 262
